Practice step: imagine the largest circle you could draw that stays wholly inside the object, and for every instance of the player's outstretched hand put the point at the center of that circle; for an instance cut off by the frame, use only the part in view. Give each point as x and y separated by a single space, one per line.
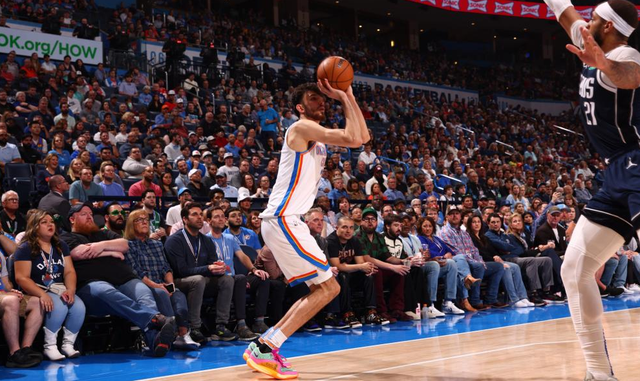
329 91
592 54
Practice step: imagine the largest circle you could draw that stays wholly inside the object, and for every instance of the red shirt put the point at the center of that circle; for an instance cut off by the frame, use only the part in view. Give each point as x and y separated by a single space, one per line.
137 189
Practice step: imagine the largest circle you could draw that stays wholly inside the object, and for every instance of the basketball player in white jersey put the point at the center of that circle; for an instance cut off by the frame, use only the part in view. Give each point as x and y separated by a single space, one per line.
298 255
610 114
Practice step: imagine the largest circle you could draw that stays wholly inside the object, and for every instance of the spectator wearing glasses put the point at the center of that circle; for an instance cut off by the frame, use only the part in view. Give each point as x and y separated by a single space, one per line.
147 259
12 221
115 219
198 271
108 285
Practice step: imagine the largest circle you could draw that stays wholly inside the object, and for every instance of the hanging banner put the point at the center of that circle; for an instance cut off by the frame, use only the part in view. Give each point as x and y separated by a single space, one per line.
504 8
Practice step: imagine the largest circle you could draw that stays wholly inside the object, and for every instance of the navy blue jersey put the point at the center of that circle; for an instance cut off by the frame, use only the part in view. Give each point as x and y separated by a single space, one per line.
610 116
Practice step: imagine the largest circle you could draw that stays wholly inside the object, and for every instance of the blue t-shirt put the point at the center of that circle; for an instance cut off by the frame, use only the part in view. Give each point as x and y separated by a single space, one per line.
113 189
246 237
226 246
46 268
268 114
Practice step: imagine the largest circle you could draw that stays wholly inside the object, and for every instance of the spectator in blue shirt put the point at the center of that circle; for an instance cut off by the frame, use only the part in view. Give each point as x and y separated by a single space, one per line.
269 121
146 97
337 191
242 235
392 193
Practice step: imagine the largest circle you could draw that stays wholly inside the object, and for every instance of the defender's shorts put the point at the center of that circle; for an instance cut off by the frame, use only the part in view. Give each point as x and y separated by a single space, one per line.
617 203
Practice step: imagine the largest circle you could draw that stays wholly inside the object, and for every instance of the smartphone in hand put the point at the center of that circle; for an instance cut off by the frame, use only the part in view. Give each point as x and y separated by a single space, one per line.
171 288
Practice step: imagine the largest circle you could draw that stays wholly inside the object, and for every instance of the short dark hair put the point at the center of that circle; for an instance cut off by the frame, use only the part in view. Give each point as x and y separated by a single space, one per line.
231 210
495 215
184 213
298 93
144 193
213 192
390 219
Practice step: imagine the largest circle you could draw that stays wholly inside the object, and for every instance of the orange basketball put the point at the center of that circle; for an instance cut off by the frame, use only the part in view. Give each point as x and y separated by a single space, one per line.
337 71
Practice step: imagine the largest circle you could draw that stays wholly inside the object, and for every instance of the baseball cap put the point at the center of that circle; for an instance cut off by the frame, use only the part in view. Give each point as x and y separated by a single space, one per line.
228 155
563 207
191 133
377 168
202 147
171 92
206 153
193 171
369 211
78 207
182 190
453 208
196 153
221 174
243 194
554 209
180 100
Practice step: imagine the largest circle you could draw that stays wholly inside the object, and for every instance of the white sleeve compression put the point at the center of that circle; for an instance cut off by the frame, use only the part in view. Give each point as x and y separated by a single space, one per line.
576 36
558 6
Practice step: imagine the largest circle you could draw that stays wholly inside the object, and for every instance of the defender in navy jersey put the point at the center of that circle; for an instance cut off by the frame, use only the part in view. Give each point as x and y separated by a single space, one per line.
610 113
294 249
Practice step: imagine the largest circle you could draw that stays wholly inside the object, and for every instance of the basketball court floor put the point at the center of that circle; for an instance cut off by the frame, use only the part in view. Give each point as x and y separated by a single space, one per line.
509 344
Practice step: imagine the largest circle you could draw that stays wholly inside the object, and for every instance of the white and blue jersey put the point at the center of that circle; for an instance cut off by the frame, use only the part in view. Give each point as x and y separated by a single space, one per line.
611 119
294 248
297 181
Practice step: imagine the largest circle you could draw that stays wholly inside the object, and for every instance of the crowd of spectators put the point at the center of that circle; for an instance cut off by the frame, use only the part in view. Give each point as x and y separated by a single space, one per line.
446 192
245 30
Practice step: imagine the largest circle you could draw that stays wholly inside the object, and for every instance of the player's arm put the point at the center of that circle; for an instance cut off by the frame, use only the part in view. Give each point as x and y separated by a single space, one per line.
311 131
307 130
624 73
364 131
567 17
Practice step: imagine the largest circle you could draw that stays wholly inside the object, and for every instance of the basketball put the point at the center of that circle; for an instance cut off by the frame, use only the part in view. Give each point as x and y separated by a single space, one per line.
337 71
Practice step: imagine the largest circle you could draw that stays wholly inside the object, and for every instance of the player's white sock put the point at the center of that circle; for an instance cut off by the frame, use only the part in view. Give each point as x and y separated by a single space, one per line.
590 247
275 339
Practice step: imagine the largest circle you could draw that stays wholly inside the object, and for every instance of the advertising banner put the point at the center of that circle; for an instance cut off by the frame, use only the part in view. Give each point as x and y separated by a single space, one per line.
24 43
504 8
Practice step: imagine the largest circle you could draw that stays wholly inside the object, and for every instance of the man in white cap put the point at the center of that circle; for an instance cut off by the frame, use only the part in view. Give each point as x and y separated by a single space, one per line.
228 169
195 184
609 80
221 183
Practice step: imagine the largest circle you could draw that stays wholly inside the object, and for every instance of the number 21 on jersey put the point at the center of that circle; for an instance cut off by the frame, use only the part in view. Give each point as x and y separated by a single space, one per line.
586 92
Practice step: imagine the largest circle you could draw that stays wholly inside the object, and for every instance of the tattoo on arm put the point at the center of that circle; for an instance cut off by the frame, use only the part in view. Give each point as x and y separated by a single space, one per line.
625 75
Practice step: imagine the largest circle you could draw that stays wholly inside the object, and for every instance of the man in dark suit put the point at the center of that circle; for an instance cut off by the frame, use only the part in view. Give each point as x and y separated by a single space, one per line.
55 202
549 232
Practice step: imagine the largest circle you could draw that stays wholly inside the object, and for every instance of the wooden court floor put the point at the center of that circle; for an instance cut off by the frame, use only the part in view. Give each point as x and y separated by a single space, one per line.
546 350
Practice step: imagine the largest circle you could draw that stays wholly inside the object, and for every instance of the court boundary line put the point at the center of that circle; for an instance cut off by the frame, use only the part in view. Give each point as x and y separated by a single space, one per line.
470 354
378 345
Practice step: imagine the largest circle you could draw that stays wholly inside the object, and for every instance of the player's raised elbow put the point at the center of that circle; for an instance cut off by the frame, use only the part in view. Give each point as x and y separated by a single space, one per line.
354 143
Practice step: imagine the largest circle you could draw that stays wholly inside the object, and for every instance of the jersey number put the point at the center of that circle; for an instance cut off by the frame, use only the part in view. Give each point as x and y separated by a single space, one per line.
590 113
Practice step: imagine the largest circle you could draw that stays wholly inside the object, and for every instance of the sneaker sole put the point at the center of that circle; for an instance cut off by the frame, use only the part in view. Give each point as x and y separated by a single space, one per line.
165 338
268 371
